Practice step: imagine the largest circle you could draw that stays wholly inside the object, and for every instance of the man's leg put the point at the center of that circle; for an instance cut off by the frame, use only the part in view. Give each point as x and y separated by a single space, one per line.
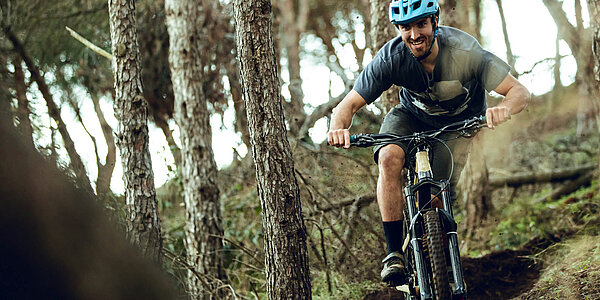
391 202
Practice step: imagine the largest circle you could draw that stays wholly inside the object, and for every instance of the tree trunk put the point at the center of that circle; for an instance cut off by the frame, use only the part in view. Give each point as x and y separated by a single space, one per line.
54 112
478 19
105 171
203 227
286 258
509 54
557 64
594 10
474 186
381 32
293 24
162 123
23 110
131 111
580 44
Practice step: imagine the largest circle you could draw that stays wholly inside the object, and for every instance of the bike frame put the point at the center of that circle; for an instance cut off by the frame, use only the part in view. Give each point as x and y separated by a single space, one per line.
418 201
418 198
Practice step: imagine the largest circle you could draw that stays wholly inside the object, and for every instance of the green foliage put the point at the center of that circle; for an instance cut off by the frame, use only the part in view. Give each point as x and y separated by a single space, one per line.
523 219
341 287
572 270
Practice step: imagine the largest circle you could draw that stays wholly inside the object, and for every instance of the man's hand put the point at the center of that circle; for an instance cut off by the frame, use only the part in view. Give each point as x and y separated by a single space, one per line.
339 138
496 116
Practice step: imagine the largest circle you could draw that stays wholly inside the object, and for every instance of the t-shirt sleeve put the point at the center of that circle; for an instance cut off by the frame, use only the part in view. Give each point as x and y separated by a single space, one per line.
374 79
492 70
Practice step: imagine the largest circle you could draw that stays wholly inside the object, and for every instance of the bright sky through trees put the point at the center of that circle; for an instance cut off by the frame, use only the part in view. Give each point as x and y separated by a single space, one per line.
532 33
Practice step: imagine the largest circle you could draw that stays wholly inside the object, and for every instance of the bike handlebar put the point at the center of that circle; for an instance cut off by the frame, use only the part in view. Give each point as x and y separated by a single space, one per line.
367 140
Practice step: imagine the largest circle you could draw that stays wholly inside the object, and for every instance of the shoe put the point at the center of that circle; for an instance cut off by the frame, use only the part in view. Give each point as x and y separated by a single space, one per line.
393 272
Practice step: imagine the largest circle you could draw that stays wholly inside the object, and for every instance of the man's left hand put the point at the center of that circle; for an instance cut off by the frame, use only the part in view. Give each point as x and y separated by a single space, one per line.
497 115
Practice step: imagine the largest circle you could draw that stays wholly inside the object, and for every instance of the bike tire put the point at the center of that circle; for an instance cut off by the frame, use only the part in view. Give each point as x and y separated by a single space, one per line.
437 255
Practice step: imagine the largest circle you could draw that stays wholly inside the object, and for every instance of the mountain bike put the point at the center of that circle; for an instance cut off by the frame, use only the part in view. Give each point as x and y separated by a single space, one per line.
432 261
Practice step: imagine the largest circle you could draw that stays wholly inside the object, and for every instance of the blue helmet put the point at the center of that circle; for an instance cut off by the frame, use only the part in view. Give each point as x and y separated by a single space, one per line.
406 11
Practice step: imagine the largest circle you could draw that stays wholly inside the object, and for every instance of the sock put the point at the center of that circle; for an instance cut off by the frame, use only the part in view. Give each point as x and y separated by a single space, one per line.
394 236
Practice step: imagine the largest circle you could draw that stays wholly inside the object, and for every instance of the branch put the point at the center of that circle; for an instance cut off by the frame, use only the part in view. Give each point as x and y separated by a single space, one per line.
568 187
566 30
53 111
543 61
321 111
532 177
359 201
88 43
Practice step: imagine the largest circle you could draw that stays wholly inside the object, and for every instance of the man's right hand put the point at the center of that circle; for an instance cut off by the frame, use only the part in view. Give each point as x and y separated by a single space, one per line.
339 138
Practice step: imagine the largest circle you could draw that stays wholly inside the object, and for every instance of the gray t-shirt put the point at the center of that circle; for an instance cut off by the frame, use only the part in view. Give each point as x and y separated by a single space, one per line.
455 91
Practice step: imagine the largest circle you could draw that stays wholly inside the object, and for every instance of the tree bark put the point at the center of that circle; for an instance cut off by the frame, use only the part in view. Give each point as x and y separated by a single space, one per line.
23 110
474 187
203 227
54 112
286 251
131 111
381 32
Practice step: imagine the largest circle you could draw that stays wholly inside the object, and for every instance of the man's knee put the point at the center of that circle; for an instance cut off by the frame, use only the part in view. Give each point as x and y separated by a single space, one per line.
391 160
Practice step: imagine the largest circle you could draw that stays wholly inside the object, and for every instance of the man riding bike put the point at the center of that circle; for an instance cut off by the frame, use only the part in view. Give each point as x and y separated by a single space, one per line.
444 74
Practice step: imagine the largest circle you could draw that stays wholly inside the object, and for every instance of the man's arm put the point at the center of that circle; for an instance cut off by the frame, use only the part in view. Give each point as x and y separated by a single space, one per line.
516 98
341 119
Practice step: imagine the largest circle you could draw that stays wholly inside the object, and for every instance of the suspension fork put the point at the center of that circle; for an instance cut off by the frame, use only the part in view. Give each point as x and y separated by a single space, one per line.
416 241
457 271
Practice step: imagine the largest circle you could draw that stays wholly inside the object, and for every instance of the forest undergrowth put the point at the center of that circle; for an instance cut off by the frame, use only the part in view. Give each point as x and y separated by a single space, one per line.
520 250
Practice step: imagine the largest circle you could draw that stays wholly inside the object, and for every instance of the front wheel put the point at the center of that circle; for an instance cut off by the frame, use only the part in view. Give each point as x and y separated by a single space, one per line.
437 255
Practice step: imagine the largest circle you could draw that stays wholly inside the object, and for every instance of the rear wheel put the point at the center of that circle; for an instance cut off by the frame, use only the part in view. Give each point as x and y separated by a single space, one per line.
437 255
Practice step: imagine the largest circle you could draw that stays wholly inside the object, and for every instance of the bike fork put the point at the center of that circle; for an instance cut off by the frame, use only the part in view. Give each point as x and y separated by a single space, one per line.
459 285
416 243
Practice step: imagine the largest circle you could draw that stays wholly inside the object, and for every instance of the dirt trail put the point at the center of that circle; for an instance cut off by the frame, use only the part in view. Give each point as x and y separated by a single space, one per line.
499 275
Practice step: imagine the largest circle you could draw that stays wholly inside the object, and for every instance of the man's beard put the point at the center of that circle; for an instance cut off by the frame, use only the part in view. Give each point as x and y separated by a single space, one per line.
420 47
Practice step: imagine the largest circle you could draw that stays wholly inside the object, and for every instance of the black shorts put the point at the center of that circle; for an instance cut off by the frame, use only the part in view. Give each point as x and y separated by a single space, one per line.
401 122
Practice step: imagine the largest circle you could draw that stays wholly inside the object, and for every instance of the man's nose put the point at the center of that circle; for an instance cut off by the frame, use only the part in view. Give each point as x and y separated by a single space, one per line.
413 34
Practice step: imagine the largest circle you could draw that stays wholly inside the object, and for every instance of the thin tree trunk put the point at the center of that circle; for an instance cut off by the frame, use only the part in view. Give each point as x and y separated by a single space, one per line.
54 112
580 44
286 258
557 64
509 53
241 120
594 10
381 32
293 24
478 19
23 110
105 171
474 186
131 111
203 227
163 124
6 115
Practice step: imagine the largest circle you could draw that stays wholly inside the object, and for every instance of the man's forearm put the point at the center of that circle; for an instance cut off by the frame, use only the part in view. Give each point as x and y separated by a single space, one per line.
516 99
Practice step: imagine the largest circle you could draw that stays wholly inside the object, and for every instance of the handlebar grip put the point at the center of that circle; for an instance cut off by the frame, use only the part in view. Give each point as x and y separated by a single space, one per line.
482 119
353 138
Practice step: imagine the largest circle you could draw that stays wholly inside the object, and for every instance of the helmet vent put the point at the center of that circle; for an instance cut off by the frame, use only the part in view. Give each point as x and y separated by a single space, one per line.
396 10
430 4
416 5
405 10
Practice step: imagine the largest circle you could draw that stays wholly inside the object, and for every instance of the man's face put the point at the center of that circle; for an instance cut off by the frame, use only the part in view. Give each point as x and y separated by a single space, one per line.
417 35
